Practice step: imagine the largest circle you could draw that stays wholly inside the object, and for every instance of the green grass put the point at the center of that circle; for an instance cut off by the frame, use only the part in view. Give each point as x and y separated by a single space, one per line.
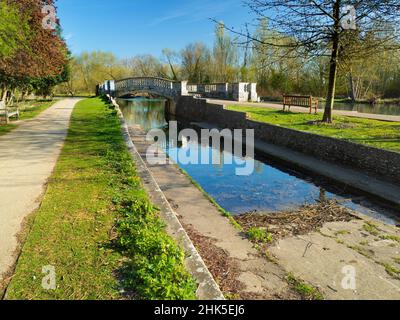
28 110
96 224
389 237
380 134
259 235
32 109
342 233
306 291
371 229
6 128
392 271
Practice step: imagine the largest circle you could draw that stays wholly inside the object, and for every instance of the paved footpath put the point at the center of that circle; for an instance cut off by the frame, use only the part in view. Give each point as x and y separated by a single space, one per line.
277 105
28 155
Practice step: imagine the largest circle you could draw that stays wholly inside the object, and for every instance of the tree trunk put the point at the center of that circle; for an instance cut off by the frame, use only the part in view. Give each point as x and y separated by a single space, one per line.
351 84
4 94
333 64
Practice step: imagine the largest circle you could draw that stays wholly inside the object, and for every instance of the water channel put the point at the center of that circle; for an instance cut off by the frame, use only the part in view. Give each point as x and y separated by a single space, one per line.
271 188
386 109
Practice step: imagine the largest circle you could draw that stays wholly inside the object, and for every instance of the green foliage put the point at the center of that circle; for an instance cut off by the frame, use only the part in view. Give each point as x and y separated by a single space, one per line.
32 58
391 270
392 238
270 62
371 228
259 235
156 265
306 291
75 231
13 30
156 268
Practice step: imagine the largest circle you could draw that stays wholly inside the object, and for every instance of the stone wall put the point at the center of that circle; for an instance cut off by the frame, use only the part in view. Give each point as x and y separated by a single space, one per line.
242 92
382 163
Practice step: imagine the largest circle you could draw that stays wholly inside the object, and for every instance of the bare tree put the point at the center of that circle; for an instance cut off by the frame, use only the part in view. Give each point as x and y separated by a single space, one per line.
224 54
319 27
170 57
195 62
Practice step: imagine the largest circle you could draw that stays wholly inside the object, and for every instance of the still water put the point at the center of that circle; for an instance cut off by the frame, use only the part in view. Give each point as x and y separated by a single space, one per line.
270 188
387 109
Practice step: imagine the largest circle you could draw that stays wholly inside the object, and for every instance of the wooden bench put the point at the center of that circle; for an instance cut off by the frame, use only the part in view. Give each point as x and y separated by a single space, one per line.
7 113
300 101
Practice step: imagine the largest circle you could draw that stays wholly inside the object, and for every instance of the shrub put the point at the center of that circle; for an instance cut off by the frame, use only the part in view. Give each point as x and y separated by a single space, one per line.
259 235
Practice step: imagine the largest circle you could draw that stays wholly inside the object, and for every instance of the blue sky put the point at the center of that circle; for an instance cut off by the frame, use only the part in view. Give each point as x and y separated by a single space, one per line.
130 27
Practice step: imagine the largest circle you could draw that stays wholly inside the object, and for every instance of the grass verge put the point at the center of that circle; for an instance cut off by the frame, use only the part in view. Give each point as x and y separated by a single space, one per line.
379 134
28 111
259 235
32 109
96 226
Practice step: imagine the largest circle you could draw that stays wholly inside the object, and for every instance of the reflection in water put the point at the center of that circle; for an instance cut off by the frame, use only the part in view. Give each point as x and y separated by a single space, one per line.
148 113
388 109
268 189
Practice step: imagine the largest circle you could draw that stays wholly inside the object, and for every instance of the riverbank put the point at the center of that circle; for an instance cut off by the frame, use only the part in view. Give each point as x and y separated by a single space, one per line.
96 225
278 106
239 269
343 101
246 270
379 134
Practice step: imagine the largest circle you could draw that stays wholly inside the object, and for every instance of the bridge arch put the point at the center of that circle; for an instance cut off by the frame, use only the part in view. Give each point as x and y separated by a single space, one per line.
171 90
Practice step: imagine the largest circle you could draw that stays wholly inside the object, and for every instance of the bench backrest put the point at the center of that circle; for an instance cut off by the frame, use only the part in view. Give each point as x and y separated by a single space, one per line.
300 101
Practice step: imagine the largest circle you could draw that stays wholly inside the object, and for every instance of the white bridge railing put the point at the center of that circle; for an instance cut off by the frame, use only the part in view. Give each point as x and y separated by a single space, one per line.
162 87
174 89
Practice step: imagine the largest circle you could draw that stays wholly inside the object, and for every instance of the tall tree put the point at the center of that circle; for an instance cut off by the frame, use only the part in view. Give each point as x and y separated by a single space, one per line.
170 57
319 26
196 62
43 55
14 30
225 55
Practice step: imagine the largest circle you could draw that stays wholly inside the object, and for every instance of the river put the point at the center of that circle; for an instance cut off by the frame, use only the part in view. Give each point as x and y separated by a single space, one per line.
386 109
272 187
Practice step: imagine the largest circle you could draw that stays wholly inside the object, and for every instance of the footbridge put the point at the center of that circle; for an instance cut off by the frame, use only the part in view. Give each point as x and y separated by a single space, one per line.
173 90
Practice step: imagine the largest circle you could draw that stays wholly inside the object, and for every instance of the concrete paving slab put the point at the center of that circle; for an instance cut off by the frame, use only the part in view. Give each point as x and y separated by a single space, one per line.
326 263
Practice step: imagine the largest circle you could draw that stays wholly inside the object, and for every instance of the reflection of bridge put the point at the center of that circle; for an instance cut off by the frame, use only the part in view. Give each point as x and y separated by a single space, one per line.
173 90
